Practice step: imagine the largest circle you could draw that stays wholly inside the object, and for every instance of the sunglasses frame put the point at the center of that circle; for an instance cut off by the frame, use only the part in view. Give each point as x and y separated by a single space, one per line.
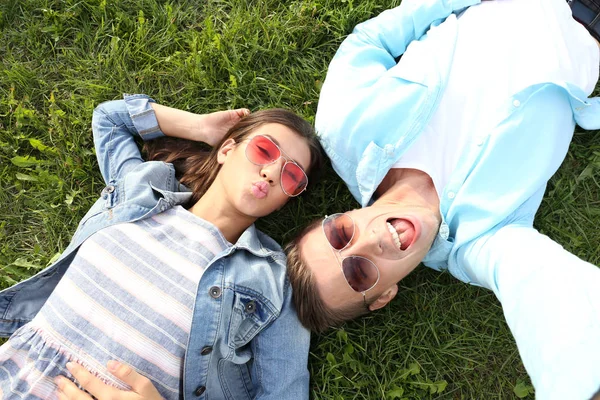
282 154
342 258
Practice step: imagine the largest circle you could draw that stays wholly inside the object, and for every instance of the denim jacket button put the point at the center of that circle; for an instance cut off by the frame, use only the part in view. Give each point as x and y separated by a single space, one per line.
214 292
109 189
199 390
250 307
206 351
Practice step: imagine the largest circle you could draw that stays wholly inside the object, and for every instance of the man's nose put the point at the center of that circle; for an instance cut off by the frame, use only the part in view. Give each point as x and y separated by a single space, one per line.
368 241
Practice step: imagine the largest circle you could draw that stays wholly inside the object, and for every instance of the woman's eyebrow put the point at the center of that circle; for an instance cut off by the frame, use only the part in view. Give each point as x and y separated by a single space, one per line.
273 139
281 149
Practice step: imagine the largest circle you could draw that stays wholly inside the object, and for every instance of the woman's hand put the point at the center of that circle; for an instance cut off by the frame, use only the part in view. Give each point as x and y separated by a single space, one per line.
141 387
215 125
207 128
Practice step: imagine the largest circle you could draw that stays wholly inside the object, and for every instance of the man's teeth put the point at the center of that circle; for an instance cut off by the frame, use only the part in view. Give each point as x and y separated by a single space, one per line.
394 235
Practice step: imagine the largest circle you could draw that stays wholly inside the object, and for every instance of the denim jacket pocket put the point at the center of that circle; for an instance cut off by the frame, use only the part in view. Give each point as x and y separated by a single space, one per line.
248 316
235 381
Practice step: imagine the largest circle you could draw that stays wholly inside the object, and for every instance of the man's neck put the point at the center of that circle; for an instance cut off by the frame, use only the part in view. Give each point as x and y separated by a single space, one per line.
408 185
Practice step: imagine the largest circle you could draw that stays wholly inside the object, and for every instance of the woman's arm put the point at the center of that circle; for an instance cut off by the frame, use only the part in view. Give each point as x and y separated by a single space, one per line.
207 128
115 124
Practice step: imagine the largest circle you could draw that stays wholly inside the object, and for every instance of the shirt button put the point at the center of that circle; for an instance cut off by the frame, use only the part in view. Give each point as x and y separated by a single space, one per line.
214 292
451 195
516 103
389 150
480 141
206 351
444 231
199 390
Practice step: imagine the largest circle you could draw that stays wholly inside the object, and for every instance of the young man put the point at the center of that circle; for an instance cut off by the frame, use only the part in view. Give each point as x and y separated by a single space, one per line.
449 150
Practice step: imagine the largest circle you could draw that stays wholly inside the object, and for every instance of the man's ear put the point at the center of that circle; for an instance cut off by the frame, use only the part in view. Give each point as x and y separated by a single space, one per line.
224 150
385 298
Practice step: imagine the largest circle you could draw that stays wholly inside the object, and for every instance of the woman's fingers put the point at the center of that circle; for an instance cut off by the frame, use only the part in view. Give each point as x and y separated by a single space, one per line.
67 390
214 126
141 387
90 383
139 383
242 112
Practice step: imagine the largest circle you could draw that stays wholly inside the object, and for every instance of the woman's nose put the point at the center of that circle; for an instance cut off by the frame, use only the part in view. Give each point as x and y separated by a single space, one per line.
271 172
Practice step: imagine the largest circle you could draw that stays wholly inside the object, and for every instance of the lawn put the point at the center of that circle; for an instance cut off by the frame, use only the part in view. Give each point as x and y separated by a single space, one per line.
440 339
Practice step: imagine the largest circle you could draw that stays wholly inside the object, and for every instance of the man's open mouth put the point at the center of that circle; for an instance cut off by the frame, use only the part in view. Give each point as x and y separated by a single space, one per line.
403 232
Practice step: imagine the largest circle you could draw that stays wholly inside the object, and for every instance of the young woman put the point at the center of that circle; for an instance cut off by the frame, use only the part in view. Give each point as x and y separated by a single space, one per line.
196 300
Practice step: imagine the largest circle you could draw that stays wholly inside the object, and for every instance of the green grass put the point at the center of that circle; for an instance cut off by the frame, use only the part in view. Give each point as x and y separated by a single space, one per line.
440 339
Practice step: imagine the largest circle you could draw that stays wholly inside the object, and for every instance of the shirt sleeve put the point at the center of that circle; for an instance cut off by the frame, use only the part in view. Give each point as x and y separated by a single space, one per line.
115 124
369 99
280 367
551 302
372 48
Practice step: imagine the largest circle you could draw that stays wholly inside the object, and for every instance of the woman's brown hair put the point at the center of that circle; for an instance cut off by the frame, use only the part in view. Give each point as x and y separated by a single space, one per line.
196 163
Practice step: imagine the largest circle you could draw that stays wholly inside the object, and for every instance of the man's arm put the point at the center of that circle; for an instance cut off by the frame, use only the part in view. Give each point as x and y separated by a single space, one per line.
367 99
380 40
371 49
551 302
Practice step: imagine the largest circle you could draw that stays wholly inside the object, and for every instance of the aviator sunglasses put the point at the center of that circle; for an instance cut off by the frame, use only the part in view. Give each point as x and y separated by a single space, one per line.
361 273
263 151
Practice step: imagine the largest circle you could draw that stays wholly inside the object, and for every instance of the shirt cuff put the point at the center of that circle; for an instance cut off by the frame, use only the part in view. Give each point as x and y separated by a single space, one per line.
143 116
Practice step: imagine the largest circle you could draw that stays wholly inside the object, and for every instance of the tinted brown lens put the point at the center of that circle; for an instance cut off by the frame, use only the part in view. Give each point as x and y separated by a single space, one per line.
339 230
293 179
360 273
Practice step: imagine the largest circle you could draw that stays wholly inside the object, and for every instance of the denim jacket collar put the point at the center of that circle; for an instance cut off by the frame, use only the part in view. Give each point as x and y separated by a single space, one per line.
255 241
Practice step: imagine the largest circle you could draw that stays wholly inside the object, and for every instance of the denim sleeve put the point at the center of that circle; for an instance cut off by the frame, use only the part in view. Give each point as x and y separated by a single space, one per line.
551 302
280 366
115 125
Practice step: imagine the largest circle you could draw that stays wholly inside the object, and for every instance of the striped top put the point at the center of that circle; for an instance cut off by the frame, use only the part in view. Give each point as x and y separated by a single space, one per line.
128 295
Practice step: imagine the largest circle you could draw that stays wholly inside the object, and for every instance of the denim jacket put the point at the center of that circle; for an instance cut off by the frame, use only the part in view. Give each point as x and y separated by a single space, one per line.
245 341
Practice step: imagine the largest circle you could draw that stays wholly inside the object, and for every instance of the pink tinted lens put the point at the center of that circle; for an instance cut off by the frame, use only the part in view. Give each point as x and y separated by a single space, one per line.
293 179
339 230
261 150
360 273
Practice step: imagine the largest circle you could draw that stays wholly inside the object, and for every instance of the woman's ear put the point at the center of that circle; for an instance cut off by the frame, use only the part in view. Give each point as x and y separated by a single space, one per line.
224 150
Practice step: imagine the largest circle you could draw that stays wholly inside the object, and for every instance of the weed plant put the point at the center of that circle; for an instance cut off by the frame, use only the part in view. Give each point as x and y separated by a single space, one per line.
439 339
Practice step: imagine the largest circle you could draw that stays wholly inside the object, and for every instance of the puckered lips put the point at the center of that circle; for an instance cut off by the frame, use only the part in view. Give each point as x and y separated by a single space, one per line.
260 189
403 231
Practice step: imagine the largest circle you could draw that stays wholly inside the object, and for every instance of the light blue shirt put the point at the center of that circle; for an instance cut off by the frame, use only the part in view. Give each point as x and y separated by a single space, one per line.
372 108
